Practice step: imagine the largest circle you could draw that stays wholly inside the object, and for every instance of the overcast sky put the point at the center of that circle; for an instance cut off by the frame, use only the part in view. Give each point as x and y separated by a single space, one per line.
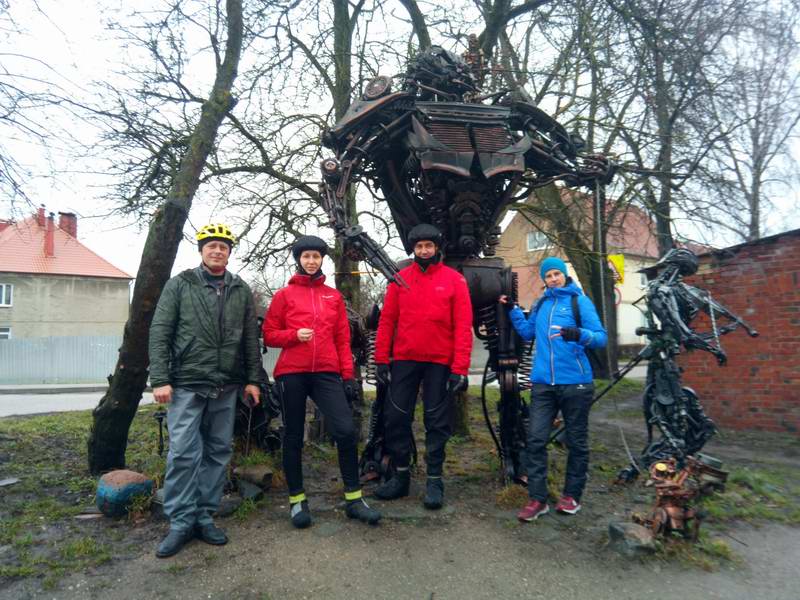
71 38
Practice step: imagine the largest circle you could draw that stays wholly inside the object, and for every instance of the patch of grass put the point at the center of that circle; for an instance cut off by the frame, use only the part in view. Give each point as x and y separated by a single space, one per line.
256 456
245 509
717 548
322 452
140 506
50 582
623 390
17 571
707 554
511 496
81 548
753 495
176 569
459 440
23 541
81 484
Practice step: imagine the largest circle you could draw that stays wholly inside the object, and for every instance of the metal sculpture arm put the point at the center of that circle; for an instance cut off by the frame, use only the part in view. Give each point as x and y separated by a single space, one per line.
702 300
356 243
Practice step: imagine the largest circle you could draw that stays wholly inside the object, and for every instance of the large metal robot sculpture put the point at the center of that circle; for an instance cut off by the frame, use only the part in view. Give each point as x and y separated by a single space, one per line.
440 151
671 408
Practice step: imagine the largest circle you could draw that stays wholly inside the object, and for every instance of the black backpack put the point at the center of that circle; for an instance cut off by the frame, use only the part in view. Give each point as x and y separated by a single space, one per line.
591 354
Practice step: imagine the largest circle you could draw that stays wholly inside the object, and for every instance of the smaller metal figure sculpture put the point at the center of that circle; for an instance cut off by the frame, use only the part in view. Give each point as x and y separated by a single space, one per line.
673 409
676 493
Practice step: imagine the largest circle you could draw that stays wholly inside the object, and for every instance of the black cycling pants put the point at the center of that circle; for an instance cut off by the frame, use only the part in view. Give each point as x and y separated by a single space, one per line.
326 390
401 400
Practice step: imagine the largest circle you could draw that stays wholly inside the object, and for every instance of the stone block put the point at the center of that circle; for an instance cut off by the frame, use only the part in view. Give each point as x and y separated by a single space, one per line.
250 491
260 475
117 489
630 539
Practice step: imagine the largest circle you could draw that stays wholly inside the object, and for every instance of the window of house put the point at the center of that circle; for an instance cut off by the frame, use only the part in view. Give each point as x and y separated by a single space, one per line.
6 294
537 241
642 281
5 333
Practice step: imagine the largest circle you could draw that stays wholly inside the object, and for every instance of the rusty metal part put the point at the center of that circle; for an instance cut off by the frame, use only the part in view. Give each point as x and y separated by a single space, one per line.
677 491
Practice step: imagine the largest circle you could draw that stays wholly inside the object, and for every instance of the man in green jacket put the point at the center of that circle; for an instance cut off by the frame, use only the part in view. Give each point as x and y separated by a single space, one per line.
203 349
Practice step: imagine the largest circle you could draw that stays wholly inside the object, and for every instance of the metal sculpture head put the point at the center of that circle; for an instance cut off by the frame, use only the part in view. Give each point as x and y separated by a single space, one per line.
680 259
683 259
439 71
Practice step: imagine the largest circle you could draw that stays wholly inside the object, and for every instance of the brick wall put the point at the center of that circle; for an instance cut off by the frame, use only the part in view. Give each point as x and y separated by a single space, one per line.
759 388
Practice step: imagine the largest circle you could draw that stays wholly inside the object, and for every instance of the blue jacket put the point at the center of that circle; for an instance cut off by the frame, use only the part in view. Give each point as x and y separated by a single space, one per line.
557 361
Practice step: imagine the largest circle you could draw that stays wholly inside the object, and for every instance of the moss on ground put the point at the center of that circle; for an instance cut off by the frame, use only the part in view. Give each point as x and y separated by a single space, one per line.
709 553
48 454
751 495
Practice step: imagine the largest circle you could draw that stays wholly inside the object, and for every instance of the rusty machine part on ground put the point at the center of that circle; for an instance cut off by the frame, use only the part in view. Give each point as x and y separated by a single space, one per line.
677 493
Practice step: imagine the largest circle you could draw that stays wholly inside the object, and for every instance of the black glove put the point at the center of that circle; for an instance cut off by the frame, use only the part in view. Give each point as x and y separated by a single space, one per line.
570 334
350 389
456 383
382 374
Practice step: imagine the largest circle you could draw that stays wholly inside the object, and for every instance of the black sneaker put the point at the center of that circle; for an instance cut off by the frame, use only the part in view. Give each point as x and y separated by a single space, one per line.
173 542
301 516
434 493
210 534
359 509
396 487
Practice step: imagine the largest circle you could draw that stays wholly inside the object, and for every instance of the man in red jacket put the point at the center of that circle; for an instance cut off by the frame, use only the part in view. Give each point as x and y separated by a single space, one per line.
426 328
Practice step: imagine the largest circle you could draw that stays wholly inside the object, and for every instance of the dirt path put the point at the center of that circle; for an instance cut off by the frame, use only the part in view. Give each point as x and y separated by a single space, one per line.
470 549
415 556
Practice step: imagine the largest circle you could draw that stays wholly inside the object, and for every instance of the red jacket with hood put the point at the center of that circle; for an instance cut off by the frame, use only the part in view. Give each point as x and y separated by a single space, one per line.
309 303
428 322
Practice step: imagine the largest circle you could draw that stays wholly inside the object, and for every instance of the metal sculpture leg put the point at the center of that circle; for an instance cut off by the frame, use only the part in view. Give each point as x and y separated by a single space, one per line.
509 364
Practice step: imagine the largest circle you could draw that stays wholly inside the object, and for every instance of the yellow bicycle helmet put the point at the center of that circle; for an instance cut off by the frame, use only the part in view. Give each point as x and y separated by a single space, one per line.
215 231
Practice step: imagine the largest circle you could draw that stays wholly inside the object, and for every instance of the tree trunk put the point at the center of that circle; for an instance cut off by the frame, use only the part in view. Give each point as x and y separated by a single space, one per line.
348 281
602 284
112 417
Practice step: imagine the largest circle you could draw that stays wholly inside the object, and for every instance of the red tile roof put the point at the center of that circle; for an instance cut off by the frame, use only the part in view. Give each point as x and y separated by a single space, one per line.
22 250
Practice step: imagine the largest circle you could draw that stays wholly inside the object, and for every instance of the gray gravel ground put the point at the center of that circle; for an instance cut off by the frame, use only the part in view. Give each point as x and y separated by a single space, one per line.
469 550
450 556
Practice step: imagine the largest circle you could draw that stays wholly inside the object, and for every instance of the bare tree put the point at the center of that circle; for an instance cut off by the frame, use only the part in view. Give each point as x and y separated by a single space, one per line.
113 415
673 52
760 106
29 99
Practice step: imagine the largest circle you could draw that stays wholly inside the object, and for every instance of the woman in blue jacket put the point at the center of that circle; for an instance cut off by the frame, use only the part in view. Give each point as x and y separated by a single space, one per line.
562 380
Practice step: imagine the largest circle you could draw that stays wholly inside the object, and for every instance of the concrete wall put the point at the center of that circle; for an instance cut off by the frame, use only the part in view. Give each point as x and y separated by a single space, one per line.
758 388
63 305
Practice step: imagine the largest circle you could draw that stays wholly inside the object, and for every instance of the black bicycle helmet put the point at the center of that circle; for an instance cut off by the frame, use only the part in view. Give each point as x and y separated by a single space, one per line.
308 242
425 231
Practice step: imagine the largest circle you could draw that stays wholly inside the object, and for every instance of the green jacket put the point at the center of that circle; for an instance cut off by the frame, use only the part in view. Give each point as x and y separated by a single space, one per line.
187 346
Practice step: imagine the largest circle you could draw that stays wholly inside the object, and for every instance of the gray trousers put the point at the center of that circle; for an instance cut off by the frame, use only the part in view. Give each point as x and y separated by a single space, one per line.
200 447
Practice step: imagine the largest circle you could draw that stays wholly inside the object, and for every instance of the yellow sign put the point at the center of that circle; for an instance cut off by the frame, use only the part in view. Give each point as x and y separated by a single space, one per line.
616 262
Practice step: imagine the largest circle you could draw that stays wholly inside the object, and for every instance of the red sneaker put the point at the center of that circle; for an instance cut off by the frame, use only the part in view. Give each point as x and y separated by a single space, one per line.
568 505
532 511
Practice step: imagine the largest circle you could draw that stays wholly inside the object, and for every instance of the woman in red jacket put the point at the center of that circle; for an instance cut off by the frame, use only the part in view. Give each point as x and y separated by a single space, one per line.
308 321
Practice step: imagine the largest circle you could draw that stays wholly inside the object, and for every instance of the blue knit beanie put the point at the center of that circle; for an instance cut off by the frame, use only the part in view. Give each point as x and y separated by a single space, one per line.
550 263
